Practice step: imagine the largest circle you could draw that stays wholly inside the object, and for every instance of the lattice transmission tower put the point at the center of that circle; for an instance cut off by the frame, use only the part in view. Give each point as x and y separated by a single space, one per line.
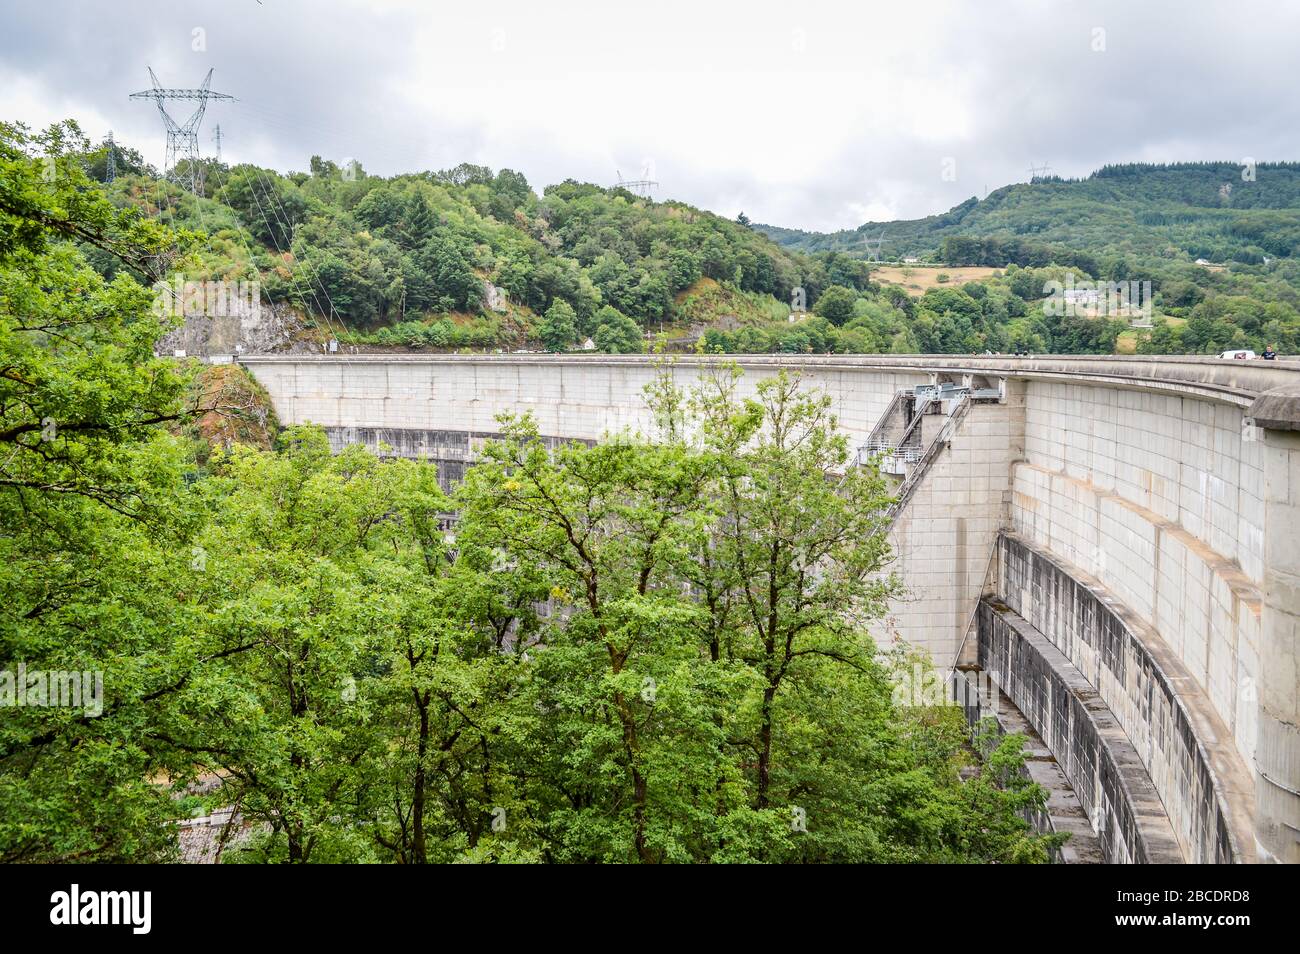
110 161
641 187
1038 172
182 139
874 251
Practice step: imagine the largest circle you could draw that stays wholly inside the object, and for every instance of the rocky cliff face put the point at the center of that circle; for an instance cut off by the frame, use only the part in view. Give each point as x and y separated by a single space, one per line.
494 298
240 327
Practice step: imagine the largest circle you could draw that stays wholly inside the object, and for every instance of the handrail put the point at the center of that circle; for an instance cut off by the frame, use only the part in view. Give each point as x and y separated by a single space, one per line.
909 453
912 434
894 404
918 471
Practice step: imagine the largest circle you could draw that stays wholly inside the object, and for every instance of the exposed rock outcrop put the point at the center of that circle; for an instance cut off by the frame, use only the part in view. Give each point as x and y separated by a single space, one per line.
241 327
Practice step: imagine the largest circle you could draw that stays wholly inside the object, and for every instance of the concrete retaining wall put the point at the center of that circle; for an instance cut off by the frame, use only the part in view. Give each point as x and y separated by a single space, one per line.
1201 781
1101 764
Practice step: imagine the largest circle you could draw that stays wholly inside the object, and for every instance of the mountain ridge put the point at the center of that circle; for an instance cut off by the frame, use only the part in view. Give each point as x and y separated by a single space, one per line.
1219 211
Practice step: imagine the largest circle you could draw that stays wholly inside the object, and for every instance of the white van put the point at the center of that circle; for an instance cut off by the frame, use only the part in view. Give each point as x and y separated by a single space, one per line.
1244 355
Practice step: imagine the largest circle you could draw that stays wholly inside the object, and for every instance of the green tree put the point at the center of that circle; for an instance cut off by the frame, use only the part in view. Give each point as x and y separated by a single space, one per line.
559 328
684 269
420 219
620 704
313 573
836 304
804 551
93 515
453 277
616 333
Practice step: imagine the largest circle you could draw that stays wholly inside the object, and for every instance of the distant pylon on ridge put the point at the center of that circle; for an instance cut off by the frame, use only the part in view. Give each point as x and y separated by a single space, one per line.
640 187
110 170
874 252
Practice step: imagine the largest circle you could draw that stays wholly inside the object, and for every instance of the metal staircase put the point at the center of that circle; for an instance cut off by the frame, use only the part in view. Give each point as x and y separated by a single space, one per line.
916 472
899 442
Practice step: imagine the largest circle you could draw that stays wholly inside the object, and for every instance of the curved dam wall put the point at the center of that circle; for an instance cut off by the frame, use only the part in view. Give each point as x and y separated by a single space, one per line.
1167 488
441 406
569 396
1160 498
1148 759
1101 764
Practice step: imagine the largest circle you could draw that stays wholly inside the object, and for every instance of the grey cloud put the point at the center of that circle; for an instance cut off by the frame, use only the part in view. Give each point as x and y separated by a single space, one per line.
1020 81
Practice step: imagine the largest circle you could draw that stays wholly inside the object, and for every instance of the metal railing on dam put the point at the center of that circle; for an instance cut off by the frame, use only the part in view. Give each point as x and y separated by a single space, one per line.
1171 484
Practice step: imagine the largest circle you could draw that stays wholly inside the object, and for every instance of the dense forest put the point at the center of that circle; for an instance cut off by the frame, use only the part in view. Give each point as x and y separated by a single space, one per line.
644 651
468 257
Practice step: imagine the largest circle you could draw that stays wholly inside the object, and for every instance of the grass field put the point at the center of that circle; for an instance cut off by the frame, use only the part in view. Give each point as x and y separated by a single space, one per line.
1127 341
918 279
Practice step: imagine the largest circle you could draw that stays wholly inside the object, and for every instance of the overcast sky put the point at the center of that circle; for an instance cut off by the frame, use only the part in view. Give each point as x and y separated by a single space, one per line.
805 114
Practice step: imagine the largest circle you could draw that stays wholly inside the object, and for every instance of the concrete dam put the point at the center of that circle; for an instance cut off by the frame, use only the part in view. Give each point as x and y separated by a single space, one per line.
1114 541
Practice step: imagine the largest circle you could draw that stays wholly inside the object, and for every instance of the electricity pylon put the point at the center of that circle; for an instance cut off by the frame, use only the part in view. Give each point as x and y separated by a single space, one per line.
182 140
641 187
873 252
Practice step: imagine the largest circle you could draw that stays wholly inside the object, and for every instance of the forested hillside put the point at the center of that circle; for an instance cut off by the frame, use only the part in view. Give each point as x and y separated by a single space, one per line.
1138 222
469 258
1192 210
